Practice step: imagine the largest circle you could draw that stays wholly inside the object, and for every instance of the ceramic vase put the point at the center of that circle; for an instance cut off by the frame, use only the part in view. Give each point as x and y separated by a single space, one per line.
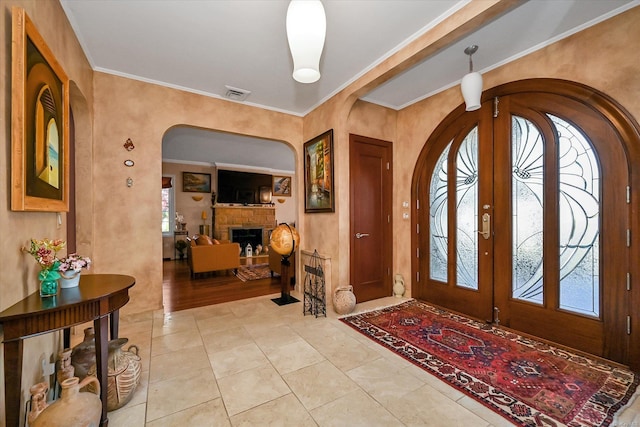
83 355
38 400
124 367
65 368
69 279
398 286
344 300
73 408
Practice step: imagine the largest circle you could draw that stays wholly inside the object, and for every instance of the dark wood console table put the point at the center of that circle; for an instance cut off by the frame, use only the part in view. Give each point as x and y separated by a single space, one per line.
97 298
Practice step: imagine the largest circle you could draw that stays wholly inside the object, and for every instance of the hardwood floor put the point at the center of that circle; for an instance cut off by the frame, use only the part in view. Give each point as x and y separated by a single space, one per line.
180 292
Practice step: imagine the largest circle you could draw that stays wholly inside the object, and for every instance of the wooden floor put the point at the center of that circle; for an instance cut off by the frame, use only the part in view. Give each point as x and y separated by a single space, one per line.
180 292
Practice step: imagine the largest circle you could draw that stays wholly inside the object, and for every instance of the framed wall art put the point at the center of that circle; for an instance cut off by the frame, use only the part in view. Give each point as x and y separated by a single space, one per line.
39 122
193 182
282 186
318 174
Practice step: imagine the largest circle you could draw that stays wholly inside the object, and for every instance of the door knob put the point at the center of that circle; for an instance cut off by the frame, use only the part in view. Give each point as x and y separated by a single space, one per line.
361 235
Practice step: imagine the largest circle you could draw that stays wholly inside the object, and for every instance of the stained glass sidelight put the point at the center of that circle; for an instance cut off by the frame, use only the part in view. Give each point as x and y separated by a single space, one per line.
527 177
467 212
438 218
579 221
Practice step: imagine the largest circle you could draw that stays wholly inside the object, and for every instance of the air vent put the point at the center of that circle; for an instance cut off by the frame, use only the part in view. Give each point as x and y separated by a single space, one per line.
236 94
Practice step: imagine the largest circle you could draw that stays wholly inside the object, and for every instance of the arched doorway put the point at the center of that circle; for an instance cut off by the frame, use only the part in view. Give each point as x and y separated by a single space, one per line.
527 216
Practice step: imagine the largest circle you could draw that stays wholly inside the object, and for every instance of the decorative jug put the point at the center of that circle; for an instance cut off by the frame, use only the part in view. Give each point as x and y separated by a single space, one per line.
73 408
344 300
124 367
83 356
398 286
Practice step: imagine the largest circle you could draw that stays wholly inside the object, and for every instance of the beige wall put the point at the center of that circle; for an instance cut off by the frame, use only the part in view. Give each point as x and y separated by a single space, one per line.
118 225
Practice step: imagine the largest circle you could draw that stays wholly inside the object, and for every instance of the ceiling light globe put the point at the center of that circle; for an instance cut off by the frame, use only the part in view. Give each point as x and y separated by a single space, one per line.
306 29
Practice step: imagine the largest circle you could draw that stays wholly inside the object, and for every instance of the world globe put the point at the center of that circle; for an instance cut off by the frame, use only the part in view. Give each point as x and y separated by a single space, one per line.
284 239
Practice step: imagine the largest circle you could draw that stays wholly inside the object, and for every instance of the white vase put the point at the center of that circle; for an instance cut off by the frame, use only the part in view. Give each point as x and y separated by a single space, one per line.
69 279
398 286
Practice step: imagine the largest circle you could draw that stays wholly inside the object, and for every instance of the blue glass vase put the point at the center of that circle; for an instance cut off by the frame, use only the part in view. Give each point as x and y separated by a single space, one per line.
48 283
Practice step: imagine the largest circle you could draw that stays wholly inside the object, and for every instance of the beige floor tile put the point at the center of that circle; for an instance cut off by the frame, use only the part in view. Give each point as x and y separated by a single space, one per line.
286 411
129 416
173 364
189 389
237 359
354 409
345 352
208 414
251 388
427 407
293 356
491 417
209 311
226 339
319 384
384 381
172 323
218 323
183 340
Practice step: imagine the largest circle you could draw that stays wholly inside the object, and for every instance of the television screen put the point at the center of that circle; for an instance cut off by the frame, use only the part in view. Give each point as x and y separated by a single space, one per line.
242 187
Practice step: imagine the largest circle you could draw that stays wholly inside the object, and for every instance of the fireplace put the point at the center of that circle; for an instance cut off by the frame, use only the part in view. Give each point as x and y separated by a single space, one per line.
246 235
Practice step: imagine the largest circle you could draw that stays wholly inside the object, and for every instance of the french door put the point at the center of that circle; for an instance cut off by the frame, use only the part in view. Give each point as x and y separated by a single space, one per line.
527 220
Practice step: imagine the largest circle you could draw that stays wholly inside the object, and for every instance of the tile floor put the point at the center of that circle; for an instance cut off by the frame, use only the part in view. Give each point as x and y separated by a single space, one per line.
254 363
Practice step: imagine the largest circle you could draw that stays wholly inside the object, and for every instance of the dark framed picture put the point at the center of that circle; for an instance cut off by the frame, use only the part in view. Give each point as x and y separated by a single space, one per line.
193 182
282 186
318 174
39 122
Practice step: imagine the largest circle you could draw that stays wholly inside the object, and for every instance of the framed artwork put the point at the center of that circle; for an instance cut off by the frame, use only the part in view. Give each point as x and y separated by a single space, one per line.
39 122
318 174
282 186
193 182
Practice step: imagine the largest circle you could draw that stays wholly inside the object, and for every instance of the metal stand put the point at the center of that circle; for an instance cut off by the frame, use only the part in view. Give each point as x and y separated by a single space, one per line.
314 294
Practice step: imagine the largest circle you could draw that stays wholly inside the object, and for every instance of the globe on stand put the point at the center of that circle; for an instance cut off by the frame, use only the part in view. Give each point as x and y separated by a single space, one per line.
284 241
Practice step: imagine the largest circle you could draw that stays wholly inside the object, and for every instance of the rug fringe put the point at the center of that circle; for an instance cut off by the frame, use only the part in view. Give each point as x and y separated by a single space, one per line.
368 310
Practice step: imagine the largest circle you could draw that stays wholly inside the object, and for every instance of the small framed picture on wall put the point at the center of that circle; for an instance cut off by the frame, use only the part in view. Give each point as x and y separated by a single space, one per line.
282 186
193 182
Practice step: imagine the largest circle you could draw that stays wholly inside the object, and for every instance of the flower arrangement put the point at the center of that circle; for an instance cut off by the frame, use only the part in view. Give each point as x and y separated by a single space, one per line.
74 263
45 251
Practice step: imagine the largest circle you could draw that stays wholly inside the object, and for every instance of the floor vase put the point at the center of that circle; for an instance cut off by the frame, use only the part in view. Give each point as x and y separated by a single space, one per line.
73 408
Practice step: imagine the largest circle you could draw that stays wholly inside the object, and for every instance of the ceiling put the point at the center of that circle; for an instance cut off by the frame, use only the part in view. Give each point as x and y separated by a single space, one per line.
203 46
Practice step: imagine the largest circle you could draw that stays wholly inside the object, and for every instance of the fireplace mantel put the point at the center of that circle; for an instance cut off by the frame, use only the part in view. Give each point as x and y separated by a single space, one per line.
238 216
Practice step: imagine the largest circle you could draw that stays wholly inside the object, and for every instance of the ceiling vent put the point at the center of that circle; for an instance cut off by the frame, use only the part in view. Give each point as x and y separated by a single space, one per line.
236 94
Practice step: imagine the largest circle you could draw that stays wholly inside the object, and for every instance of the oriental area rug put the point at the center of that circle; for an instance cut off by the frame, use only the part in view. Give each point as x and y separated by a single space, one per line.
530 383
253 272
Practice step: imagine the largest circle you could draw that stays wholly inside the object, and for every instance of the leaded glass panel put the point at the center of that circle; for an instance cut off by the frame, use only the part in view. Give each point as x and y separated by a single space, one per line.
467 212
438 218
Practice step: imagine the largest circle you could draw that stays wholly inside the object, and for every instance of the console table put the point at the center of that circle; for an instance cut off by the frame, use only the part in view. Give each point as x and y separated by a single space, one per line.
98 297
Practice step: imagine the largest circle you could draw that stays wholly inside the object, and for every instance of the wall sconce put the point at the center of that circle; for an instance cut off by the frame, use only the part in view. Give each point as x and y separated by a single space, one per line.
306 29
197 198
471 84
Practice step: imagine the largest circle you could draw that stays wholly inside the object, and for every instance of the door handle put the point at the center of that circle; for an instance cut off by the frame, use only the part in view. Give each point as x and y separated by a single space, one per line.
486 226
361 235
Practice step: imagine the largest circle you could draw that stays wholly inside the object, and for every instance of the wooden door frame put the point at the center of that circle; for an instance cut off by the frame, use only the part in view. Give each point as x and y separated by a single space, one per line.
628 131
388 202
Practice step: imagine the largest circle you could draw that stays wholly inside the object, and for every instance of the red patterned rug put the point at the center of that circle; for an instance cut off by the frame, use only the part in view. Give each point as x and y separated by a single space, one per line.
253 272
528 382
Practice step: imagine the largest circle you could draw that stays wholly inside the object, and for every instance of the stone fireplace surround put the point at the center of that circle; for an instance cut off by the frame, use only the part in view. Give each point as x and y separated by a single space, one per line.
225 218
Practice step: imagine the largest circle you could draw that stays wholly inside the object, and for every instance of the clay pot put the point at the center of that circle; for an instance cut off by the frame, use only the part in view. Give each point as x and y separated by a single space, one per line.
65 368
398 286
83 356
124 367
344 300
73 408
38 400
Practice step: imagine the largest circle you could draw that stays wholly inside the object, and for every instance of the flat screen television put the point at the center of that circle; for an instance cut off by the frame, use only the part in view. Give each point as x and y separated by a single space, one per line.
245 188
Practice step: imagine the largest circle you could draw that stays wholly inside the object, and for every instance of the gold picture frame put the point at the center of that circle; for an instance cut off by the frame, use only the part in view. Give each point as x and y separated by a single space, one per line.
281 186
39 122
319 195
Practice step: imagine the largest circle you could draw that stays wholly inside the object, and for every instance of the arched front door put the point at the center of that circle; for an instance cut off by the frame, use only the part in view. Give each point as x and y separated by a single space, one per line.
524 218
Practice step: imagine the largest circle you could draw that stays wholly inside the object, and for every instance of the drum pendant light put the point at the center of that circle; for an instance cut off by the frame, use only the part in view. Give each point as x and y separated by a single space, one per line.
471 84
306 29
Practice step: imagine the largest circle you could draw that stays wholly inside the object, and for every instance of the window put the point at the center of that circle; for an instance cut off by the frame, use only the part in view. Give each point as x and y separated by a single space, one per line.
168 209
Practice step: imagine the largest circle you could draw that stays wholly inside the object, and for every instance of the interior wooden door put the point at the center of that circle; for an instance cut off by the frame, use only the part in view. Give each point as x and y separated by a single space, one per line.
371 232
527 221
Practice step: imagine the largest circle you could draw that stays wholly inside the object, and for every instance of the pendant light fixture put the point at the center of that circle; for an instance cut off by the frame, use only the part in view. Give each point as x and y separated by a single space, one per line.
471 84
306 28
